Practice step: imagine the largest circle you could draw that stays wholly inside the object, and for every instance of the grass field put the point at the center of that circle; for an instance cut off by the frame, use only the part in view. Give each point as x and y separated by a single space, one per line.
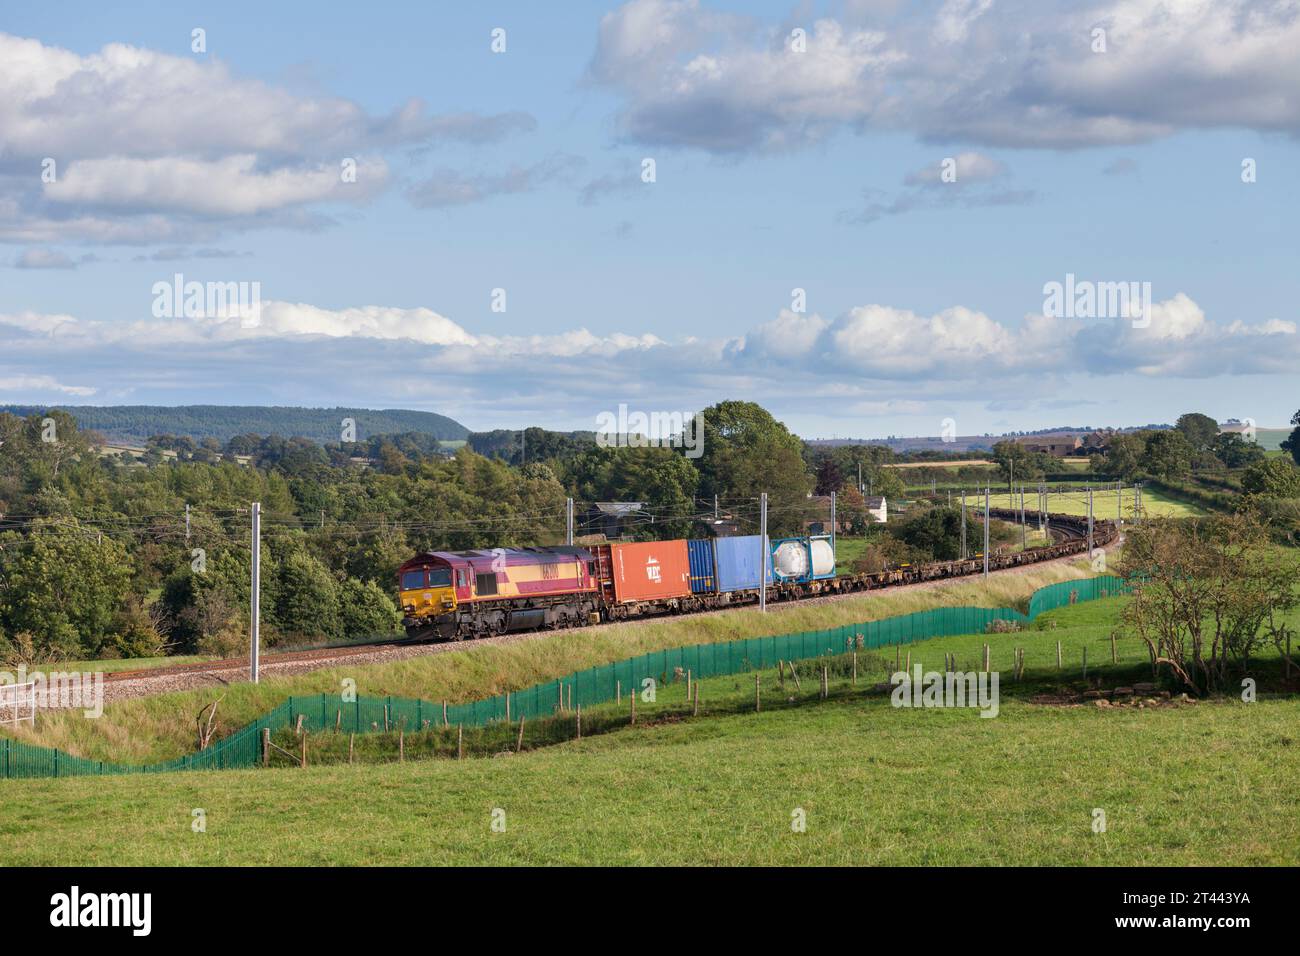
1206 784
1105 504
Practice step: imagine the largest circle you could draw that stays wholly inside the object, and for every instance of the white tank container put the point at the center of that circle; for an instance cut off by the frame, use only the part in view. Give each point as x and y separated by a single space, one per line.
790 560
823 558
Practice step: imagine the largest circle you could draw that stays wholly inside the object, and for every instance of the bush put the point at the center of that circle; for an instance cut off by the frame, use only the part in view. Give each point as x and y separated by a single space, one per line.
365 609
1210 594
137 632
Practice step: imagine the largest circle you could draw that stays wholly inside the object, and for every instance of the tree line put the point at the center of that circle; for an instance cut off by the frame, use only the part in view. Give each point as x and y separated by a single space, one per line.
95 560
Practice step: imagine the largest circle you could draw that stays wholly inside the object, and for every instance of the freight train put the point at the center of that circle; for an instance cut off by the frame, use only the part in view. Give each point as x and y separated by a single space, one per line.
456 595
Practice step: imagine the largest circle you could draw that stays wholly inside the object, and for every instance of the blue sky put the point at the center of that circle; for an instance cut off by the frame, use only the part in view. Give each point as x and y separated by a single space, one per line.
776 169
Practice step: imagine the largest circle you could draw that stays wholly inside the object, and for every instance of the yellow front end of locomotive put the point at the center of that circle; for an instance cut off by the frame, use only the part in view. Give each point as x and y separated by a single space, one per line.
427 593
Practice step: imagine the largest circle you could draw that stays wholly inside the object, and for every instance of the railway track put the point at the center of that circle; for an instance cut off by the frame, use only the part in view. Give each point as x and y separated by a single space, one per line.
241 663
1069 533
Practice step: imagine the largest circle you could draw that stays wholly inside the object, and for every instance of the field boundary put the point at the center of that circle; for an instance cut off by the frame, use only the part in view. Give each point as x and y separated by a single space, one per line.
596 685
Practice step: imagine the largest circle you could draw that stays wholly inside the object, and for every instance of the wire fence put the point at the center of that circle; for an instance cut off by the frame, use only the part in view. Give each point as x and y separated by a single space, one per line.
596 685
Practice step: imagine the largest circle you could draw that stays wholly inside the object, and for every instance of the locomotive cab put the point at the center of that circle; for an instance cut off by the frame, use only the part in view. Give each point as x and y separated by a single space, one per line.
426 591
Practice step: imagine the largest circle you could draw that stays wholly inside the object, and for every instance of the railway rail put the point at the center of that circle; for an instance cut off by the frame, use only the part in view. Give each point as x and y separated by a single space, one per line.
1069 531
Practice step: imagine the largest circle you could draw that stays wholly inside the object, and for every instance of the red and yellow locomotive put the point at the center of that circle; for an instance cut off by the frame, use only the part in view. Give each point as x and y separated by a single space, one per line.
458 594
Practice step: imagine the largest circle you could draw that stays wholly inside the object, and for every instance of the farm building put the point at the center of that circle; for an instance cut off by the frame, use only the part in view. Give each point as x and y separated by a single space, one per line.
877 511
611 518
1058 446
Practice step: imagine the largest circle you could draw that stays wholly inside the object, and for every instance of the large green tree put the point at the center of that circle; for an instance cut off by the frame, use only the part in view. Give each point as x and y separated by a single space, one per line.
1200 432
65 586
1292 442
1123 458
747 452
1168 454
1272 478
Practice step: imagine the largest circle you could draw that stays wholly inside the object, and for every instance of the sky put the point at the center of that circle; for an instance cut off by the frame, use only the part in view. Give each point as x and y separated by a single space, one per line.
530 214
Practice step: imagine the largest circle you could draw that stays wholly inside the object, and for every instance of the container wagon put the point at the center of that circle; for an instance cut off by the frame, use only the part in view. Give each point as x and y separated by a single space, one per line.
642 577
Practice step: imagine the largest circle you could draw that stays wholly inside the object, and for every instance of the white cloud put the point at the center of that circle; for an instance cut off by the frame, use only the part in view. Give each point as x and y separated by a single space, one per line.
38 384
448 187
1018 73
231 186
43 259
133 133
875 358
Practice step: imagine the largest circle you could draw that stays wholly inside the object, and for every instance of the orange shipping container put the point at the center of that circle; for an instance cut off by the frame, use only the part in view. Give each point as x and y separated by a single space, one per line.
650 570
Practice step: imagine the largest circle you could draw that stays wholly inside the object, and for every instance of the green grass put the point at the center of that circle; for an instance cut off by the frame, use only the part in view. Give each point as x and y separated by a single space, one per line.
1104 503
160 727
1206 784
879 785
848 549
110 666
1270 439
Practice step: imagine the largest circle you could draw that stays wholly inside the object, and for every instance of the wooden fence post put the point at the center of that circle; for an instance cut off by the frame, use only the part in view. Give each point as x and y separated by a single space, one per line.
632 698
298 729
385 718
304 751
1114 656
1058 655
688 683
795 674
508 707
697 699
618 692
338 720
780 674
266 746
758 700
826 684
352 739
444 713
401 744
460 741
519 744
578 715
855 668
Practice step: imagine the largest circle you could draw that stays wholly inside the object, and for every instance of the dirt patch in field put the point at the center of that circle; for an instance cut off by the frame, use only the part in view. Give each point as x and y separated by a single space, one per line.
1135 697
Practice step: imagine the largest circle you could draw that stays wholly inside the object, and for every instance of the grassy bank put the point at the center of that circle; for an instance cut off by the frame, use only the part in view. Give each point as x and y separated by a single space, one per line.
150 729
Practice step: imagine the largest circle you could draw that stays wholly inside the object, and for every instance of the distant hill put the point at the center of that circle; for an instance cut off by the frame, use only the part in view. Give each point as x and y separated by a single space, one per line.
962 443
136 423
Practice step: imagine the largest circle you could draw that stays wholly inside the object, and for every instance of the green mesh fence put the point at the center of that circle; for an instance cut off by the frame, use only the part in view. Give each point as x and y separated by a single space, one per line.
596 685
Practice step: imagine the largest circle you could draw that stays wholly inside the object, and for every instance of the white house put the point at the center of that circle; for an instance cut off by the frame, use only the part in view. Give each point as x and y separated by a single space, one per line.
877 508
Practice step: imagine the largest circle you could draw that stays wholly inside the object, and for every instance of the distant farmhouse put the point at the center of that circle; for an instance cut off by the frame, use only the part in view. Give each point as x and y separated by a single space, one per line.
1058 446
611 518
877 511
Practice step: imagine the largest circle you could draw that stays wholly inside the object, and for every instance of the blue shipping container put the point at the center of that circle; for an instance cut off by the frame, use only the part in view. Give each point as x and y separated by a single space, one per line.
700 553
738 562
